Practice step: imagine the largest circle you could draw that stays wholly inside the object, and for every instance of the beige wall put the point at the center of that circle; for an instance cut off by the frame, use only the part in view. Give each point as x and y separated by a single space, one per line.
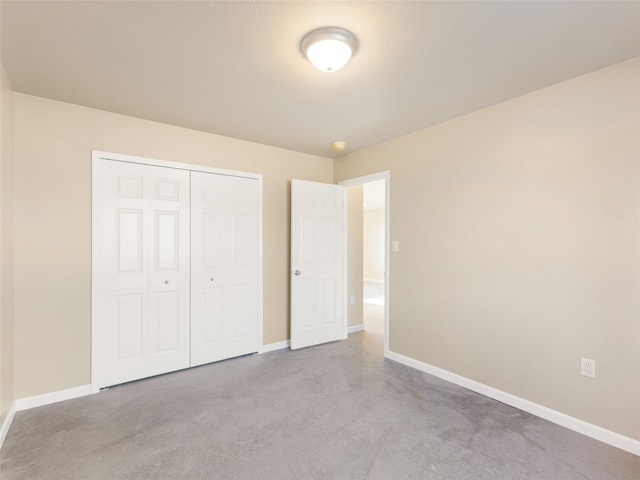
373 245
519 231
53 224
354 238
6 245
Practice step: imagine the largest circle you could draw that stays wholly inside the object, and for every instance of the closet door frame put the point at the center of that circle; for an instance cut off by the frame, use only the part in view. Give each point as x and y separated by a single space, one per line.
96 156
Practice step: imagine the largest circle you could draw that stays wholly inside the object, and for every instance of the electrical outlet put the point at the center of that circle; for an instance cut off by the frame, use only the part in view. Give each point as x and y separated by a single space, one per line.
588 367
352 300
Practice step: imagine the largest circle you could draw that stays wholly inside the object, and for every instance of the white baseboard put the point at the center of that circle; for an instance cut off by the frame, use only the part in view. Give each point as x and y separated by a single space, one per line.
81 391
373 280
52 397
6 424
355 328
602 434
272 347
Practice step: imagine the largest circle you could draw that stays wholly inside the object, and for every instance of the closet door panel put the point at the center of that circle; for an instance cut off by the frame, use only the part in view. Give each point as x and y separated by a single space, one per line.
211 316
129 325
129 240
120 284
168 340
141 291
169 272
224 248
242 311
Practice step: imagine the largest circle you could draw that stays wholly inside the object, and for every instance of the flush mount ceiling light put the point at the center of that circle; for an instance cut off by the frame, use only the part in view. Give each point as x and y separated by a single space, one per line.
329 48
339 146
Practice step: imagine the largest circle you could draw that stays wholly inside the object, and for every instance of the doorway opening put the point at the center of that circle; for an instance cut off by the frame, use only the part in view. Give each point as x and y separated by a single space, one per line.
373 256
367 254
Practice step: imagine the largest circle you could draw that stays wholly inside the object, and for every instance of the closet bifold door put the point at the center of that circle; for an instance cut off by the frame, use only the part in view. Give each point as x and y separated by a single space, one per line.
224 267
141 292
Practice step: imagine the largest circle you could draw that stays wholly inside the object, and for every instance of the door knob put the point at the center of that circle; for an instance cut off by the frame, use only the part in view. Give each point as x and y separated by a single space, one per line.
297 272
211 279
166 282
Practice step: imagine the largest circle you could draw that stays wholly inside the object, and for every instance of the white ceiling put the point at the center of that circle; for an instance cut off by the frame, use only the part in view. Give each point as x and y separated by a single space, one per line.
234 68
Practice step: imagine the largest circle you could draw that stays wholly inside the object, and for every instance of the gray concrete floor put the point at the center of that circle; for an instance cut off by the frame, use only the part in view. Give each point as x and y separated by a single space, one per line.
336 411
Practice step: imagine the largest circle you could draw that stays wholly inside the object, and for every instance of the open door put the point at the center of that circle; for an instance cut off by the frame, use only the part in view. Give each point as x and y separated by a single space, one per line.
317 263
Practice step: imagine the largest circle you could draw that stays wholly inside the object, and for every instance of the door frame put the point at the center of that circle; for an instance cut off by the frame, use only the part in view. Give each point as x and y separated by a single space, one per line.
97 155
350 182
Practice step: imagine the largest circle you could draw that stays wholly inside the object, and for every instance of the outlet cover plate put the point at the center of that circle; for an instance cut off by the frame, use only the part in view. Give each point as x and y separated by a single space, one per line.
588 367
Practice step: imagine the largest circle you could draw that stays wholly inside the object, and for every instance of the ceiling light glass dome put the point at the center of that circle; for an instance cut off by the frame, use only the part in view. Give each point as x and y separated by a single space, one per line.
329 48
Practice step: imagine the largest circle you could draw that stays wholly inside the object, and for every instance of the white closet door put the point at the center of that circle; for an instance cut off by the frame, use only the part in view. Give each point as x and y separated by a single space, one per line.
141 300
224 267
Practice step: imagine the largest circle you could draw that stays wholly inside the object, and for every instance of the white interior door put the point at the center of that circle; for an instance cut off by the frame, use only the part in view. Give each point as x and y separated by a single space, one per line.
141 256
224 276
317 263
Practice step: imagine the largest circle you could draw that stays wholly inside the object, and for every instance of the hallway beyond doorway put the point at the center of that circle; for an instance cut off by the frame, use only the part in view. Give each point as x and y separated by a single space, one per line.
373 293
368 261
373 308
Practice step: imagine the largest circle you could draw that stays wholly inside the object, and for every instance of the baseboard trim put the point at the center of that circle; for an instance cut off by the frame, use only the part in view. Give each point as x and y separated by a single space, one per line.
83 390
6 424
590 430
355 328
373 280
53 397
272 347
